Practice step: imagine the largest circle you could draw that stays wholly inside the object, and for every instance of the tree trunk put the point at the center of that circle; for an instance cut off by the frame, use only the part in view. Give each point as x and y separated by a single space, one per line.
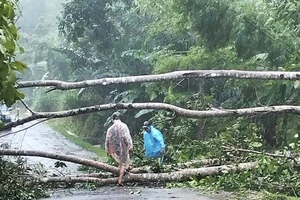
179 166
269 122
159 106
73 159
152 177
264 75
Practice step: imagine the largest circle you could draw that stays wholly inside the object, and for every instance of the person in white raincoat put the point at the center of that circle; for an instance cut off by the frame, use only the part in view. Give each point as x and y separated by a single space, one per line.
118 143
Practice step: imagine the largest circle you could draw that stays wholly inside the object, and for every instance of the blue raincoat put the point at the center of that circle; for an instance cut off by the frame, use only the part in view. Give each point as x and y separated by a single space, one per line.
153 143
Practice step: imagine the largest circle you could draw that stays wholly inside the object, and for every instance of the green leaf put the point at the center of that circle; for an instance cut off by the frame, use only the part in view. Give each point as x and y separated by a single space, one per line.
10 46
14 31
4 69
21 49
12 78
256 144
20 95
19 66
296 84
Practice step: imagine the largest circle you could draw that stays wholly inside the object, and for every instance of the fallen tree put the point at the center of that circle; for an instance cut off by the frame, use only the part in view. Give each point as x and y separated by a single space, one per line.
73 159
97 164
263 75
180 166
150 177
215 112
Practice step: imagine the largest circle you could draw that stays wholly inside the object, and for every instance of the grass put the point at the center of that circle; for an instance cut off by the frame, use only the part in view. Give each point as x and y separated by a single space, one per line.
59 126
264 195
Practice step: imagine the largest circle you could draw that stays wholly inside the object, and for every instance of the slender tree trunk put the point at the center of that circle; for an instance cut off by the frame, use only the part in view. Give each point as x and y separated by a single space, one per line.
161 106
269 122
264 75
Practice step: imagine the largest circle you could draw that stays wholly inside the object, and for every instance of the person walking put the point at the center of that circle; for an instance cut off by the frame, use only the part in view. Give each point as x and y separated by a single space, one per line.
154 144
118 143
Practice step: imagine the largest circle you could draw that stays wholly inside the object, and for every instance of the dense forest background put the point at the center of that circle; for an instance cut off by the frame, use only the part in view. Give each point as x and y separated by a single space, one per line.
77 40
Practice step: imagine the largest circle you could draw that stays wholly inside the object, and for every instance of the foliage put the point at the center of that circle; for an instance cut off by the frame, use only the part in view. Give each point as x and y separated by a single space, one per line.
8 47
13 184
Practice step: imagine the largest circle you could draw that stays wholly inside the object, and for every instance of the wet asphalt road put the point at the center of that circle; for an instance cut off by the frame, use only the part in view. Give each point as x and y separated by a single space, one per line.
43 138
135 193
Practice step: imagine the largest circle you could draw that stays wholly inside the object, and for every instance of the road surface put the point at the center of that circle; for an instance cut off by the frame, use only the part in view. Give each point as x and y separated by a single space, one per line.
136 193
43 138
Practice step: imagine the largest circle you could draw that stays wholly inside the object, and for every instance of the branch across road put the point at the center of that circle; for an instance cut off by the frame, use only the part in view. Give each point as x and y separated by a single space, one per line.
238 74
178 111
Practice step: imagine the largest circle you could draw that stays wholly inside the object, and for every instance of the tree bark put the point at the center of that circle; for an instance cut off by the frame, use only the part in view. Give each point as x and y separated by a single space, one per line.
179 166
74 159
263 75
98 164
151 177
160 106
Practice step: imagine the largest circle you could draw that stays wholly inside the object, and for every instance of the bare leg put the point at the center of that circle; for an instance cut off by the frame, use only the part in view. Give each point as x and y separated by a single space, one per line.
121 173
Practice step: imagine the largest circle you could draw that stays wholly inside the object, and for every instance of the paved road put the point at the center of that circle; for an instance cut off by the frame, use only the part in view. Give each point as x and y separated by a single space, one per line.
43 138
135 193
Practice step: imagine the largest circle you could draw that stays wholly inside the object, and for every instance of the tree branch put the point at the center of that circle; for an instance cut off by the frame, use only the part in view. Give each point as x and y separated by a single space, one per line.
263 75
259 152
27 107
160 106
73 159
190 164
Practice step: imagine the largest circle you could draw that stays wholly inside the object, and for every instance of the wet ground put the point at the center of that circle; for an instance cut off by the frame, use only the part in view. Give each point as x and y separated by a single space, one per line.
43 138
136 193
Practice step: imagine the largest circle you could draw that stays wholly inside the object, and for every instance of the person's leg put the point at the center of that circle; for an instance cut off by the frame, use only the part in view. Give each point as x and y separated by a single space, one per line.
121 174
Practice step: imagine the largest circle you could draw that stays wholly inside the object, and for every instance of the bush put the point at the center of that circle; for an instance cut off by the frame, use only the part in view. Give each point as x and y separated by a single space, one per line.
15 185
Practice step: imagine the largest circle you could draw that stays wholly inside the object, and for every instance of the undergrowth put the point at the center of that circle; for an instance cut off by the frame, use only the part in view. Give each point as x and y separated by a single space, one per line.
16 184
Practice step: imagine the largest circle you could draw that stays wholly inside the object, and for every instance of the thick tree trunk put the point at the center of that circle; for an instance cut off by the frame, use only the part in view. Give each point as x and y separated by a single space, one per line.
265 75
153 177
160 106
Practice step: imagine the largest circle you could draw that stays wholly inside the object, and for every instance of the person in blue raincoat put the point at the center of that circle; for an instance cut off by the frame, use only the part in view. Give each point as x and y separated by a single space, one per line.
154 144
